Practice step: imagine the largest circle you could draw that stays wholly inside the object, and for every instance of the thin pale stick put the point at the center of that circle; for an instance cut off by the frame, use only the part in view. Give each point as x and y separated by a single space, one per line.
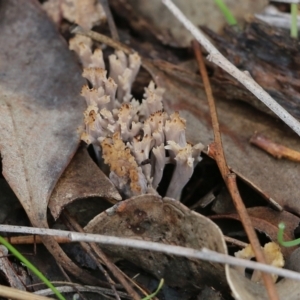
11 293
110 20
77 287
234 241
67 278
244 78
230 178
204 254
103 39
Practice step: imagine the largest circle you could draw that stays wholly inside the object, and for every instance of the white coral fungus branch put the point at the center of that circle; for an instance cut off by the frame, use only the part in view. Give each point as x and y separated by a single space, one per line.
216 57
203 254
133 137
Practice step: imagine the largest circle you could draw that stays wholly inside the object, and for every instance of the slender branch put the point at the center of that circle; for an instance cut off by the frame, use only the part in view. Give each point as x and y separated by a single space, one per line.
230 178
71 224
204 254
112 267
102 39
216 57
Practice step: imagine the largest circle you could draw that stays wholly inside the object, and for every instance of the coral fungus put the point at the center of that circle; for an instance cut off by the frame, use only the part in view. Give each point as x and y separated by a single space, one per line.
135 139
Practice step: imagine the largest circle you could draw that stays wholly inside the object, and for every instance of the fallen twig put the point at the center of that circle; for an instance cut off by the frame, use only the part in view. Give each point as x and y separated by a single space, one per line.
235 242
31 239
82 288
204 254
230 178
102 39
276 150
69 222
90 248
243 77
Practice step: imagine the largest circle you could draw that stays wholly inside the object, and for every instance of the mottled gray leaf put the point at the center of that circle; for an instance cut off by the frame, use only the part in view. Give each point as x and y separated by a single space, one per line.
151 218
40 106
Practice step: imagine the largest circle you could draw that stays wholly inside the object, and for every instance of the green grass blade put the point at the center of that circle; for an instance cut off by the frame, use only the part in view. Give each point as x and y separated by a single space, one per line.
31 267
231 20
283 243
149 297
294 25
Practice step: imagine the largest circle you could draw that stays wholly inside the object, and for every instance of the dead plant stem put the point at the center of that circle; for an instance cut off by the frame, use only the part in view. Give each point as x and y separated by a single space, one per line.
103 39
204 254
230 178
110 20
112 267
69 280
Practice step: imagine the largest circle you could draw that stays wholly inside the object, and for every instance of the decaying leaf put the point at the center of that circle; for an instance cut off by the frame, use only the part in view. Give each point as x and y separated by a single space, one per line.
8 271
81 179
40 110
152 218
243 288
293 261
199 12
271 57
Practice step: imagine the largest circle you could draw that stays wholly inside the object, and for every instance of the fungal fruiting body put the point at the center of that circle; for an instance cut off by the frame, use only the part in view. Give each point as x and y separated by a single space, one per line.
135 139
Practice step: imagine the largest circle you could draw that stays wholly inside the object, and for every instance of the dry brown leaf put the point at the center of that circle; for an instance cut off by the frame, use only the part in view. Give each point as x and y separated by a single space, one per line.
152 218
81 179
